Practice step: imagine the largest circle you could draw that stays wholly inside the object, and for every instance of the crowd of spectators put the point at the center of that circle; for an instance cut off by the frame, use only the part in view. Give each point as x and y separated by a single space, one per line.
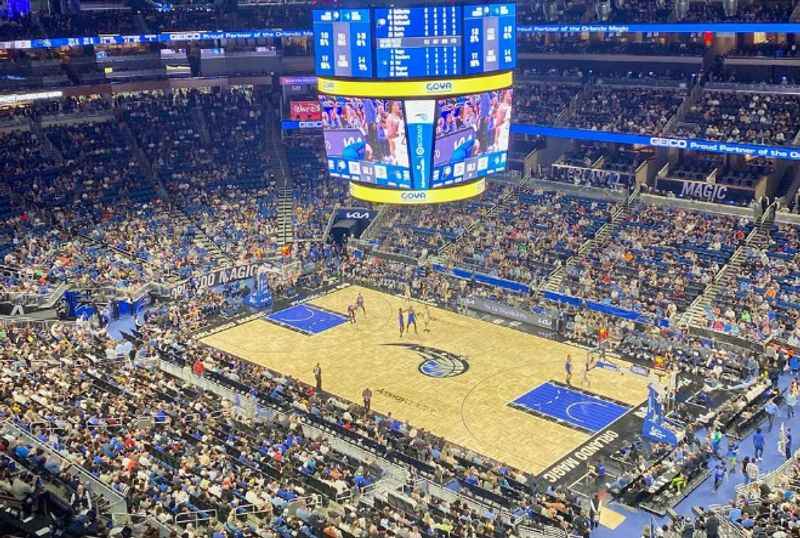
637 48
538 11
529 234
626 110
170 449
657 260
305 157
541 103
207 17
314 205
90 23
767 49
768 11
24 158
84 105
175 148
767 508
625 161
241 222
425 230
236 126
98 166
751 117
762 301
582 155
148 232
209 148
39 254
696 169
21 27
642 11
746 176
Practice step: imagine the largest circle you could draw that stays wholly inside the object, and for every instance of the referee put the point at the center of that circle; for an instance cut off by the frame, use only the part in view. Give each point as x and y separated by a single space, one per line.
568 369
318 377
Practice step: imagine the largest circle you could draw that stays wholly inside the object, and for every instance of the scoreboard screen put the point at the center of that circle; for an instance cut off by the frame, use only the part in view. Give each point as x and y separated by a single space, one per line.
343 43
471 136
365 140
489 38
418 42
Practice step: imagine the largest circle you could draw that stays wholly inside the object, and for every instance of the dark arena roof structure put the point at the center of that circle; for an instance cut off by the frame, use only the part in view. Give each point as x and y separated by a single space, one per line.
399 269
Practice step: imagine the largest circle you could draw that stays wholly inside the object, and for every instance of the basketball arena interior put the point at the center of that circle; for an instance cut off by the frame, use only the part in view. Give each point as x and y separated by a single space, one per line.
280 268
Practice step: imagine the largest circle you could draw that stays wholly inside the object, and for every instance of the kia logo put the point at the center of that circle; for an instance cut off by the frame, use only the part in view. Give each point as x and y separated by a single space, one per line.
357 215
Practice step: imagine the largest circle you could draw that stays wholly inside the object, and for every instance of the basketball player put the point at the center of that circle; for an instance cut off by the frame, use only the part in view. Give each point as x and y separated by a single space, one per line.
351 313
360 303
568 369
427 319
586 367
395 130
401 321
412 318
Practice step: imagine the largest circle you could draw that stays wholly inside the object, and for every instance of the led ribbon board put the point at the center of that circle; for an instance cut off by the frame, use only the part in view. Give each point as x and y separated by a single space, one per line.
415 88
378 195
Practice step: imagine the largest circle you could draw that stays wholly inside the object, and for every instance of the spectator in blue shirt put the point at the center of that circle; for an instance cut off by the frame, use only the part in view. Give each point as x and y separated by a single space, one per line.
758 444
735 514
771 410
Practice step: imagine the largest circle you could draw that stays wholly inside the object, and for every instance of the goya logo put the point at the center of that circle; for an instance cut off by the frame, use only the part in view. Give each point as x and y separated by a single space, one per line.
438 87
668 143
414 195
437 362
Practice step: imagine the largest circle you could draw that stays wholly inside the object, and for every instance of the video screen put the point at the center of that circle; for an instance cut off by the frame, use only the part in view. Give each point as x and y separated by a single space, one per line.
304 111
471 136
365 140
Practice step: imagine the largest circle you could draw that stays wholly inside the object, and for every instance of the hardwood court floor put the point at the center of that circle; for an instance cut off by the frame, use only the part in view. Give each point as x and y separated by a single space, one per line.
470 409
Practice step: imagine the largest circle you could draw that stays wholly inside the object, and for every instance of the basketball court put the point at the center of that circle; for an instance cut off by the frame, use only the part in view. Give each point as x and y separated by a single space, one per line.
492 389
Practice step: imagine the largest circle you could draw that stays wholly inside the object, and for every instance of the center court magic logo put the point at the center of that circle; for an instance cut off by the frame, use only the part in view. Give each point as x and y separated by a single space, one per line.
437 362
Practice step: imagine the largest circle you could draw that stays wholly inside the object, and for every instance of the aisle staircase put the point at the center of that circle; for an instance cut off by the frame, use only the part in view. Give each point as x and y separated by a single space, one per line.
600 239
148 170
48 148
758 238
449 249
285 217
201 124
277 150
201 238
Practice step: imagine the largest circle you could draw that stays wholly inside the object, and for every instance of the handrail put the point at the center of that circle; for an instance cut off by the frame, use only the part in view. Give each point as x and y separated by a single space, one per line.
123 518
116 502
769 477
185 518
41 300
383 211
